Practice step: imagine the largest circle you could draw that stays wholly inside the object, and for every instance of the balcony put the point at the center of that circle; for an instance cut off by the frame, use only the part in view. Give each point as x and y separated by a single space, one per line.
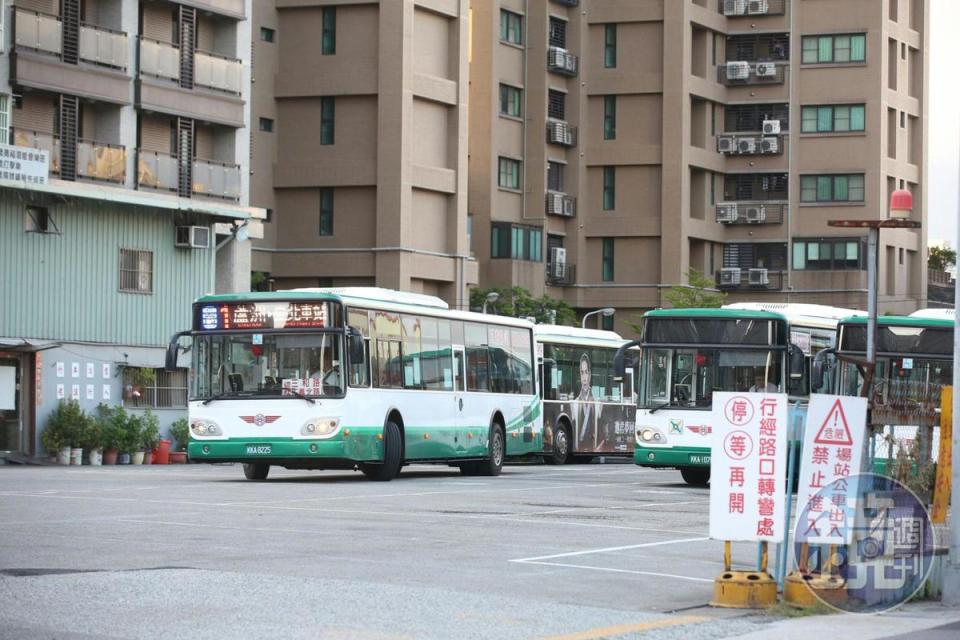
230 8
159 59
750 145
734 279
42 141
561 274
751 213
561 133
734 8
102 162
216 179
560 204
216 72
44 33
104 47
746 73
156 170
38 31
561 61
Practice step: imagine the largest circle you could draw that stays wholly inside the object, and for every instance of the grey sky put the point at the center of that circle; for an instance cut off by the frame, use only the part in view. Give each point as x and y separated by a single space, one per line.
944 171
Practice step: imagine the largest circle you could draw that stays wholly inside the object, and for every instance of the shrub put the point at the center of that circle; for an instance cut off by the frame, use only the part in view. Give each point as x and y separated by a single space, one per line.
132 434
180 430
65 427
150 433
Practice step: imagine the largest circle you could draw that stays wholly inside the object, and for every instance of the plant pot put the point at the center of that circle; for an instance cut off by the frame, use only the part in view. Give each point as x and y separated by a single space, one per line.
148 457
63 456
161 454
136 457
95 458
123 458
76 456
178 457
110 456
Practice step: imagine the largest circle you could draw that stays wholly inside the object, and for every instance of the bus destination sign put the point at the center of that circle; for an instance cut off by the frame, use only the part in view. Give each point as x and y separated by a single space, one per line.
232 316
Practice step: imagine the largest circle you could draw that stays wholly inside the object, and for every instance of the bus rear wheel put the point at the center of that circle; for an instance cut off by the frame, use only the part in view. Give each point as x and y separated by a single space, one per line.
493 464
696 476
392 456
256 470
561 445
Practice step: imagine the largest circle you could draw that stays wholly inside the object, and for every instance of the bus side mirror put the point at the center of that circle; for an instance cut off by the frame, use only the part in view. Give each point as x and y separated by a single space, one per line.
623 359
818 369
173 350
355 345
797 362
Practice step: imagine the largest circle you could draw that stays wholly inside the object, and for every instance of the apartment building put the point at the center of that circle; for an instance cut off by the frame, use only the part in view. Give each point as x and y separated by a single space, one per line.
124 162
359 149
616 145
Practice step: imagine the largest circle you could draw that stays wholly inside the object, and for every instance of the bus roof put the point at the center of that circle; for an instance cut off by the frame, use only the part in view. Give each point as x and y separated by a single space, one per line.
903 321
721 313
809 315
576 335
943 314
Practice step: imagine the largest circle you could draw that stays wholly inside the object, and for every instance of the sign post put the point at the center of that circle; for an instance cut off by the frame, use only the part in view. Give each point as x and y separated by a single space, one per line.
747 489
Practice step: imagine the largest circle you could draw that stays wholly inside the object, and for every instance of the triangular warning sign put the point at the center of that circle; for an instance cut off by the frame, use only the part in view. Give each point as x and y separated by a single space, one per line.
835 429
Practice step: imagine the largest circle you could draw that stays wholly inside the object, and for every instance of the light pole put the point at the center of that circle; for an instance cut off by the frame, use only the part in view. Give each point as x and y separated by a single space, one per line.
492 298
951 578
606 311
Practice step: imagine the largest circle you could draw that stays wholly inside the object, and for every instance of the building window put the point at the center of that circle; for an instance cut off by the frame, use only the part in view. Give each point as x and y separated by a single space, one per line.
609 117
509 177
136 271
608 260
833 118
329 36
555 176
556 104
268 35
832 188
326 211
327 117
269 215
825 254
511 27
558 32
515 242
39 220
610 46
609 188
266 125
839 48
168 389
511 101
4 116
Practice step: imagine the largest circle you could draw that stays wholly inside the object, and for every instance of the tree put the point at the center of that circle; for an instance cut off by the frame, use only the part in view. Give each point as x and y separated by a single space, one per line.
518 302
700 293
940 258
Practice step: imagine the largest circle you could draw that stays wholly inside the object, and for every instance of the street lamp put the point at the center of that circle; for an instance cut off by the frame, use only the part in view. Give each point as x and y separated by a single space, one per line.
606 311
492 298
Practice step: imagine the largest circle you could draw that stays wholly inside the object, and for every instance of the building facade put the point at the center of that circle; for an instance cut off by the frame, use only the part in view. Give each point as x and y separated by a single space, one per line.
123 196
616 145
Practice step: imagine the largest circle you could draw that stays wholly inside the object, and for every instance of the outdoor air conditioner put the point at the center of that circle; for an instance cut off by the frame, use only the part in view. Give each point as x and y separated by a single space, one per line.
727 212
726 144
756 215
730 276
759 277
554 203
560 133
765 70
569 207
193 237
758 7
771 127
770 145
746 146
734 7
739 70
558 261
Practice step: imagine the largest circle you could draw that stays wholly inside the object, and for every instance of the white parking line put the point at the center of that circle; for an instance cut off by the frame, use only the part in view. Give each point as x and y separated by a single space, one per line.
587 552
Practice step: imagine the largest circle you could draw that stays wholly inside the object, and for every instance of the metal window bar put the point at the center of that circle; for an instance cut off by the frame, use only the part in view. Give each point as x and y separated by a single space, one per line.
760 47
756 186
168 391
750 117
136 271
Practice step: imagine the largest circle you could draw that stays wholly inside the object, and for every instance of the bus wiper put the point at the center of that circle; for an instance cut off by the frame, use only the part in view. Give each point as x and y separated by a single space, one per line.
219 396
289 396
251 396
660 406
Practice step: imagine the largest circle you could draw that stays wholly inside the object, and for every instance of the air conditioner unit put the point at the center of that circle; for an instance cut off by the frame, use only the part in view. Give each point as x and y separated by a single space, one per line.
730 277
726 144
734 7
756 215
771 127
560 133
558 256
738 70
569 207
765 70
770 145
193 237
727 212
759 277
554 203
746 146
758 7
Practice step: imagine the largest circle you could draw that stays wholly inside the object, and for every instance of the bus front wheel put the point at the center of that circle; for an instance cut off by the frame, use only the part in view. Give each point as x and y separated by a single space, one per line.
256 470
695 476
392 456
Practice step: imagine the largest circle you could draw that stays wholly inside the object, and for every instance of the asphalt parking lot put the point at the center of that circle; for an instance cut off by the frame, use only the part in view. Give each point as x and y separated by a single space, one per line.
582 551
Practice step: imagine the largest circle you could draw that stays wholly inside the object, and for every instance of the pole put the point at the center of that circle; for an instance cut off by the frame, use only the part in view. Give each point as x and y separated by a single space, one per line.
873 266
951 579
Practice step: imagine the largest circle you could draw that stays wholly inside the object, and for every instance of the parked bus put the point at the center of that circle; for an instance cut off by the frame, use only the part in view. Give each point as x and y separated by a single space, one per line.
689 354
358 378
586 411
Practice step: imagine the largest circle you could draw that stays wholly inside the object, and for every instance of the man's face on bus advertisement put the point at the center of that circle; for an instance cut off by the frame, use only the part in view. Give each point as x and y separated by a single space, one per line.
584 374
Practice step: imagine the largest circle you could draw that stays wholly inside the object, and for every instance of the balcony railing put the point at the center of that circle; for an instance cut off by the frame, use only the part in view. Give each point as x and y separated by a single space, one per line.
103 46
43 141
561 274
751 73
750 279
156 170
559 132
743 212
218 72
561 61
750 145
44 32
39 31
216 179
101 161
159 59
560 204
734 8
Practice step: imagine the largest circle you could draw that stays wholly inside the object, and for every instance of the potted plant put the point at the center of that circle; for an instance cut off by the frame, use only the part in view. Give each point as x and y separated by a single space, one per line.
55 437
130 451
91 439
114 421
149 436
180 430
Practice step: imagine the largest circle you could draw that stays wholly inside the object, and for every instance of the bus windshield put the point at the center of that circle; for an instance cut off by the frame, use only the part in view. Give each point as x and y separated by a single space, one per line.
688 377
256 365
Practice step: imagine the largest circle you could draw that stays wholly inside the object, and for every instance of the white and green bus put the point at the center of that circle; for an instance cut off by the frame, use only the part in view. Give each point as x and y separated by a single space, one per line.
689 354
357 378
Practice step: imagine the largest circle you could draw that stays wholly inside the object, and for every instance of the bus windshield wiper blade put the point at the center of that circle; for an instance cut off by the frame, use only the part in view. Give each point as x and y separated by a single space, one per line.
219 396
659 406
289 396
253 396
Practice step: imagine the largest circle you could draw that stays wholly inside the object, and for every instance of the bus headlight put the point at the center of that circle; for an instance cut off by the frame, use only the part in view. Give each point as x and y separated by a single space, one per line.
650 435
205 428
320 427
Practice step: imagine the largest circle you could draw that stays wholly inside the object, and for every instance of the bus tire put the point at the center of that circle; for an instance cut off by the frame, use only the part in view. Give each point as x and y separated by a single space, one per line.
468 468
561 445
392 456
256 470
696 476
493 464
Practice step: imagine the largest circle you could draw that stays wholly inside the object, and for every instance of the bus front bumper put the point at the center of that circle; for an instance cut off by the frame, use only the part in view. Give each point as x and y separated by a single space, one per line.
673 457
361 445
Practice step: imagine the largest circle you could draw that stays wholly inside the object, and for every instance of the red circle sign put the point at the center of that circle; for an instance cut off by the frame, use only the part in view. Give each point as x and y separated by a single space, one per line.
738 445
738 411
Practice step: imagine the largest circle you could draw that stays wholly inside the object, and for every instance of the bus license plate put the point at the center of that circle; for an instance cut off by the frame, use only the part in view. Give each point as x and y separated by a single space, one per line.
696 458
259 449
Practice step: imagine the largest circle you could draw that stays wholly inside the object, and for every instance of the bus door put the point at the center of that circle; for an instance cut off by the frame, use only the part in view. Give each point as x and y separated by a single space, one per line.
461 423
